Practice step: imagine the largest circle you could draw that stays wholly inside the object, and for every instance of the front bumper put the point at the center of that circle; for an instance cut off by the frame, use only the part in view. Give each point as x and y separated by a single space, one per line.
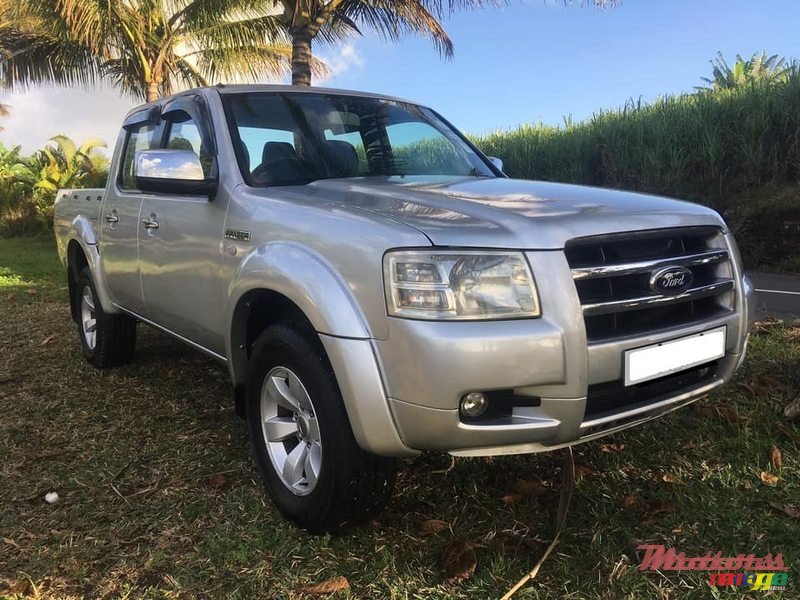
428 366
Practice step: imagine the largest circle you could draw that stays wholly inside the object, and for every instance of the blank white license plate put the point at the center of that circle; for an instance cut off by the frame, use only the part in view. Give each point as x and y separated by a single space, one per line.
651 362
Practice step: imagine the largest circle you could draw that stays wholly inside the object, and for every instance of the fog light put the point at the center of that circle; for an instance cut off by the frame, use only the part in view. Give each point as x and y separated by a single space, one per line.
474 404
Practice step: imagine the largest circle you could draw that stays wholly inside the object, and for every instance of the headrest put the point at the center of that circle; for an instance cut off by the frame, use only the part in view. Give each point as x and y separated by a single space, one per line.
276 151
342 157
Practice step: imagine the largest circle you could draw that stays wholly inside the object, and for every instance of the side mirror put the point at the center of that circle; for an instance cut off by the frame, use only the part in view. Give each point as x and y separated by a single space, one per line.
496 162
172 172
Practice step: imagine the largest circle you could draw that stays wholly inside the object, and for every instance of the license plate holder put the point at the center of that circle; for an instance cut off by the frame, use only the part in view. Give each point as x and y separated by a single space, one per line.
672 356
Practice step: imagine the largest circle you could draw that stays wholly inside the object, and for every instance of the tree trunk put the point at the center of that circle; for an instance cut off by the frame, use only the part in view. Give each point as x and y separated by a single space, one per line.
151 91
301 57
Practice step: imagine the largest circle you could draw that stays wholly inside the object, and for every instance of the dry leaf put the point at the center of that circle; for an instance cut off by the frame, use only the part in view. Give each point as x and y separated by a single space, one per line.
519 546
787 509
609 448
583 470
47 340
664 478
529 488
775 457
334 584
512 499
433 526
634 502
792 410
769 478
459 560
215 481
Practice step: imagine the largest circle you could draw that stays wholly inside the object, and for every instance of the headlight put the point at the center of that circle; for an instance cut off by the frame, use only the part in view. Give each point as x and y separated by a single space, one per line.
429 284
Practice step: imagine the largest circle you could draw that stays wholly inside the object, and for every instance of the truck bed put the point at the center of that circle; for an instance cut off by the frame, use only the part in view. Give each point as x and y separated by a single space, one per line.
71 204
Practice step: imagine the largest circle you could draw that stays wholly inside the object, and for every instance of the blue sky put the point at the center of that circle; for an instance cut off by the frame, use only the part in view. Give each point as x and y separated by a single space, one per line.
531 61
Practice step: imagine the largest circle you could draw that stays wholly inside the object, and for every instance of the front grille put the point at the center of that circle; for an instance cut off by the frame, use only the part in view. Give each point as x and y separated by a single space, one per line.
612 277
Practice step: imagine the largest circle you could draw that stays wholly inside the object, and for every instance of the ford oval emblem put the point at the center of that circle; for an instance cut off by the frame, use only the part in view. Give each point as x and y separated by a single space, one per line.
671 281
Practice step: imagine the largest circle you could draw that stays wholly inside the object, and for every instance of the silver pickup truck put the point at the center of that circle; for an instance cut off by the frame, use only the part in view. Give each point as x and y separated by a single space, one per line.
377 287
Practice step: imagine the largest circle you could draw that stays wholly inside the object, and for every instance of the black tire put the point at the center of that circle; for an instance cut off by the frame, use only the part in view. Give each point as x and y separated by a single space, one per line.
352 485
114 339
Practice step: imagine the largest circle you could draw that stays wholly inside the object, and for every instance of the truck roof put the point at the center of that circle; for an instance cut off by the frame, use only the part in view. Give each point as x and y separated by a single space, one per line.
264 87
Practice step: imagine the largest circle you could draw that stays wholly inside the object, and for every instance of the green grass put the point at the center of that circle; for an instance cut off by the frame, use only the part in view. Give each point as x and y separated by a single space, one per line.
159 498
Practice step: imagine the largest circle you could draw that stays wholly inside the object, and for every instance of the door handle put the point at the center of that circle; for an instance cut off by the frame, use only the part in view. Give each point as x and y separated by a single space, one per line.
112 218
150 222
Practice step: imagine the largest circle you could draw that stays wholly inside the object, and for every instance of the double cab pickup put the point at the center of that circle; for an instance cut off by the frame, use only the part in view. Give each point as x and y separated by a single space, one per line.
377 287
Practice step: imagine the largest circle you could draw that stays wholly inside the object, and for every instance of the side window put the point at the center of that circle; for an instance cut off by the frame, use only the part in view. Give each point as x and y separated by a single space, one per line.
139 138
185 135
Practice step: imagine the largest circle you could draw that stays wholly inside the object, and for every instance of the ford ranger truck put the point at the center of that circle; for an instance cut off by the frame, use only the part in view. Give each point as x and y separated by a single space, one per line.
377 287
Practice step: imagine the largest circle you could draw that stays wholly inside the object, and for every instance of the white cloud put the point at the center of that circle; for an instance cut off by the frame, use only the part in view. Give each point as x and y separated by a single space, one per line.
343 60
40 113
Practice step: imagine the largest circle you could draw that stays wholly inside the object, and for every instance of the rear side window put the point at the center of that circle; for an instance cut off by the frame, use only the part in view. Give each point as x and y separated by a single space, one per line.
140 137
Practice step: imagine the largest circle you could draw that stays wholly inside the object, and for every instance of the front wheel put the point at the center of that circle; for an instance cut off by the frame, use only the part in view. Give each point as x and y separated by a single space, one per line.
303 445
108 340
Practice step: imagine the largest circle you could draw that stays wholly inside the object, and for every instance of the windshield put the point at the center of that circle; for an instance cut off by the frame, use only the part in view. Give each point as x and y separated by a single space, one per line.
297 138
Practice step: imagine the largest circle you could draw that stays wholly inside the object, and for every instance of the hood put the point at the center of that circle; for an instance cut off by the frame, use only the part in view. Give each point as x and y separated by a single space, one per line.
508 213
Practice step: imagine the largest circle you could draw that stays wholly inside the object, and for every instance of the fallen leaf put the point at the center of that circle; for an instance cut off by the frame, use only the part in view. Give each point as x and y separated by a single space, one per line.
584 470
775 457
512 499
769 478
664 478
31 292
787 509
529 488
433 526
792 410
329 586
609 448
459 560
634 502
215 481
518 545
47 340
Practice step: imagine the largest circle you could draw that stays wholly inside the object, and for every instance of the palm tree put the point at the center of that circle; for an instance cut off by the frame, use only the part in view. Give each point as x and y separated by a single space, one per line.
757 68
331 20
147 48
67 165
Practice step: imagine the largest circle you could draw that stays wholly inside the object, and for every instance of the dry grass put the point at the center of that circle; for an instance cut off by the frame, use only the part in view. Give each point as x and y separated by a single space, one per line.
158 497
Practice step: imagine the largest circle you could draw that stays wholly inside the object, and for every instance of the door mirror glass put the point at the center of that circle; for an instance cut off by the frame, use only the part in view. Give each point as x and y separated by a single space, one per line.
497 162
172 172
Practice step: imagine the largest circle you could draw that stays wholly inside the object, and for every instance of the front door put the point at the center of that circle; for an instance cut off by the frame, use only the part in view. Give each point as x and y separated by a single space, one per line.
180 250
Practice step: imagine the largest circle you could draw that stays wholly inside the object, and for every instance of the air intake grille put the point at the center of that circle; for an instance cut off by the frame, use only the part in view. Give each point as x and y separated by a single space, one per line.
612 275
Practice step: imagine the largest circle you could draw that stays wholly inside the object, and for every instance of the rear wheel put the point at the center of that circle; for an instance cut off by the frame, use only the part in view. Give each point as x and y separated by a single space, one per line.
303 445
108 340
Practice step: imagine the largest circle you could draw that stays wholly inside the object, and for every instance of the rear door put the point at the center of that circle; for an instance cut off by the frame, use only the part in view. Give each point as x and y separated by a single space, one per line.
180 241
120 218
